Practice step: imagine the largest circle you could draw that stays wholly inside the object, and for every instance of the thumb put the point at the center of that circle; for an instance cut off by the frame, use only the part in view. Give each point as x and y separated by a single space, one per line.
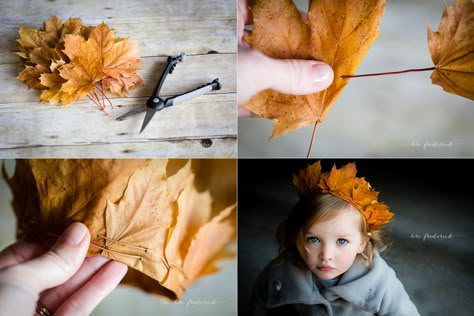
55 266
297 76
257 72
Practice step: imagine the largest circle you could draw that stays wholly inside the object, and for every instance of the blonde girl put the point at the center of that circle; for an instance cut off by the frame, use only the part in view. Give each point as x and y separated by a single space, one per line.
329 262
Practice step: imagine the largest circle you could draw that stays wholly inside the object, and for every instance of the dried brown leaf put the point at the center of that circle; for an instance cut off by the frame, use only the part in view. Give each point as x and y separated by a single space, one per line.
146 213
452 49
336 32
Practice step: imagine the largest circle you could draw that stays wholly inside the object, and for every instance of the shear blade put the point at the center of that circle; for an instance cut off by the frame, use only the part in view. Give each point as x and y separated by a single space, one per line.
132 112
149 115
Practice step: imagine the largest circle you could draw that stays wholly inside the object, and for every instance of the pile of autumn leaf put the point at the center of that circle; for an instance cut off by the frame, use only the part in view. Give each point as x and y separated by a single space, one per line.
68 61
169 220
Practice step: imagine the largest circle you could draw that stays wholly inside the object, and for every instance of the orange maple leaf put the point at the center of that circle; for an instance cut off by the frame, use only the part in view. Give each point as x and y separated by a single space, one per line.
344 184
452 49
336 32
97 58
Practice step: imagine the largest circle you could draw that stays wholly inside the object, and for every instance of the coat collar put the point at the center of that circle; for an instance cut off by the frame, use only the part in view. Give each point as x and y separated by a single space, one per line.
359 285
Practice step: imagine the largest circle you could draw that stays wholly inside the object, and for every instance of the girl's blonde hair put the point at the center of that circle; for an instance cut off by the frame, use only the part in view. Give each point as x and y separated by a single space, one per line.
318 208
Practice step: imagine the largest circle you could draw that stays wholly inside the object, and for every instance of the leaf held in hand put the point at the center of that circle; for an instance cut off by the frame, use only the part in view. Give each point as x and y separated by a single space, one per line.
338 33
452 49
152 214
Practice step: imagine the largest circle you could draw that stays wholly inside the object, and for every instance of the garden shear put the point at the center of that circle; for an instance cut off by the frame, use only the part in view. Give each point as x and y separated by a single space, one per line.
155 103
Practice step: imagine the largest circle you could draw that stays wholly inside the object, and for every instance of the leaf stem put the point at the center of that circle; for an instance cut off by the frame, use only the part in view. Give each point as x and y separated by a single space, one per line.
122 243
94 98
101 91
116 252
95 245
388 73
101 106
312 139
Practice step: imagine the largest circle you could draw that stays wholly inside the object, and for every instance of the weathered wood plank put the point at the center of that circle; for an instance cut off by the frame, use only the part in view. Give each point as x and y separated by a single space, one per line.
204 30
34 10
193 72
198 35
208 116
189 148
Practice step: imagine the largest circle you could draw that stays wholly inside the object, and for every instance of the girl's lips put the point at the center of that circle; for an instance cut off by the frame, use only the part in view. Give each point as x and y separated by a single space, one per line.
325 268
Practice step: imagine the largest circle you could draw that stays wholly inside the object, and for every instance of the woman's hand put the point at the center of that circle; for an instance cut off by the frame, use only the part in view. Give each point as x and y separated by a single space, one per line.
62 279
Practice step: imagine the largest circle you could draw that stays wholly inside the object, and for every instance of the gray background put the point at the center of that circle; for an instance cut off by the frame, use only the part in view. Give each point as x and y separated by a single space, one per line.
424 195
386 116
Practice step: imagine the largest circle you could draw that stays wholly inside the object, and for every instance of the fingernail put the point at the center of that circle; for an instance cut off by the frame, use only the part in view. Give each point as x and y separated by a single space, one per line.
74 234
321 72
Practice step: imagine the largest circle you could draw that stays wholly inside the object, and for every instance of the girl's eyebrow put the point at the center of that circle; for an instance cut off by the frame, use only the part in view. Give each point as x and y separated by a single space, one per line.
347 235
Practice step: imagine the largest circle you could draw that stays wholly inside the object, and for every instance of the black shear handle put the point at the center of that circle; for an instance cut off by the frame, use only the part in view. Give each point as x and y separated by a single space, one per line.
171 64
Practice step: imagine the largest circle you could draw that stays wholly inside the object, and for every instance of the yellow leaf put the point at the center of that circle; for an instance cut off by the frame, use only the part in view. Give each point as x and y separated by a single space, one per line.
336 32
142 218
43 56
146 213
31 76
452 49
308 179
210 238
53 93
30 38
100 58
52 31
344 184
194 210
122 84
81 75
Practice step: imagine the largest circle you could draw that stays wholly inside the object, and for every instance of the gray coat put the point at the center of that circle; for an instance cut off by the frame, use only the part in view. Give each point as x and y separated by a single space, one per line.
284 289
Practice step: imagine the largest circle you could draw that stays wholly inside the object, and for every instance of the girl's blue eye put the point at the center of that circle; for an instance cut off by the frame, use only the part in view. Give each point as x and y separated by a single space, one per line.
342 241
312 239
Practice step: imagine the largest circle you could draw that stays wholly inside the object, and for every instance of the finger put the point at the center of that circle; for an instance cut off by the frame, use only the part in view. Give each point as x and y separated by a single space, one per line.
249 77
20 252
53 298
298 77
23 282
85 300
257 72
244 17
242 40
245 12
243 112
53 267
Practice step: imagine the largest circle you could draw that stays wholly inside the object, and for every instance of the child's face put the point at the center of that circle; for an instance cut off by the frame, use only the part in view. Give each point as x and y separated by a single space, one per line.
331 246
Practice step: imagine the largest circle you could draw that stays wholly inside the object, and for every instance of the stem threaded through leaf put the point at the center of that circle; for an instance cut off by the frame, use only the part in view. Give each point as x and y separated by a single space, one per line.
388 73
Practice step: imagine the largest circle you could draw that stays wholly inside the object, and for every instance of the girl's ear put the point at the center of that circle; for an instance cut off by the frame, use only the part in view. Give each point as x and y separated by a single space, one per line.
363 242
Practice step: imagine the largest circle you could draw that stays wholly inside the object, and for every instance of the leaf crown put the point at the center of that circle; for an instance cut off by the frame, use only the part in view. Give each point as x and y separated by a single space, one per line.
344 184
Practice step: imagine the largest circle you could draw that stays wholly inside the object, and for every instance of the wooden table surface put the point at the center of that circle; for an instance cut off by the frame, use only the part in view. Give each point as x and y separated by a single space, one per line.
204 30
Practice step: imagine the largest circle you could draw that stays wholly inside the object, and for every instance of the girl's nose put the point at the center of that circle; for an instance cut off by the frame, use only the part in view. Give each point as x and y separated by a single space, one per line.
326 253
